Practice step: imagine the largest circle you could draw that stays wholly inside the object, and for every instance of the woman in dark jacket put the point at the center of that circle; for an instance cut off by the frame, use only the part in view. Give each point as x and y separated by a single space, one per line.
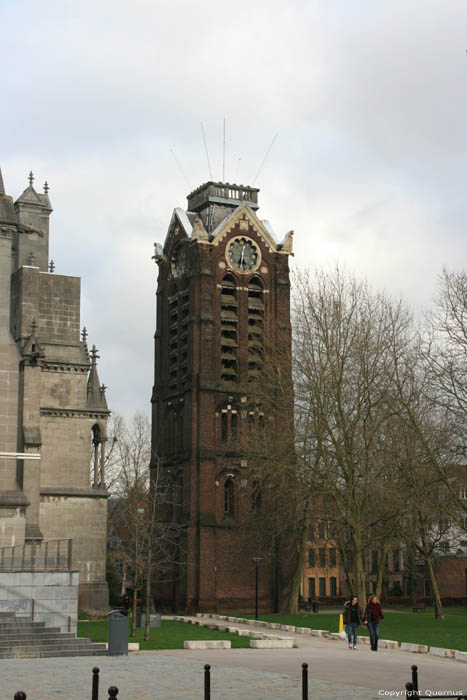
353 619
373 616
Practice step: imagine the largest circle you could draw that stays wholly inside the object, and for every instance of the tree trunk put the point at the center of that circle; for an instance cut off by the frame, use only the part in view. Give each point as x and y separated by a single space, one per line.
297 578
133 616
358 570
380 573
147 626
439 614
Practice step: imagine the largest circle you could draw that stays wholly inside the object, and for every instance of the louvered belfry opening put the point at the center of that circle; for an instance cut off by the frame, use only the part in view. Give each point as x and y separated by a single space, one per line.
229 330
178 317
255 328
173 336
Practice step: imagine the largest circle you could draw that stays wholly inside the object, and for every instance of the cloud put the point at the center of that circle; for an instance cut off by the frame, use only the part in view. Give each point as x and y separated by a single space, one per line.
367 99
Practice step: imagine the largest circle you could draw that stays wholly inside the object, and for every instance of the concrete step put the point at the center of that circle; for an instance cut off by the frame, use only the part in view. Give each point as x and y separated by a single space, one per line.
38 635
28 642
19 624
51 649
44 654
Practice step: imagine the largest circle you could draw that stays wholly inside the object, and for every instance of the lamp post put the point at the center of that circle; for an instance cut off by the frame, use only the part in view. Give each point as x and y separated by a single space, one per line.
257 561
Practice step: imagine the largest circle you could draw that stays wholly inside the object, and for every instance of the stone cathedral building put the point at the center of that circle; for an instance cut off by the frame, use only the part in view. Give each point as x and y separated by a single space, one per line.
223 303
53 411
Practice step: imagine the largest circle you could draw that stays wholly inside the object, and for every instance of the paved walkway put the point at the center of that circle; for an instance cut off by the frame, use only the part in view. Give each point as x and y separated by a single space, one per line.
249 674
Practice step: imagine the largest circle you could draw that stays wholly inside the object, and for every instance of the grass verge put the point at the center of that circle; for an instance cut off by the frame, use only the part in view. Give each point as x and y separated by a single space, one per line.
418 628
170 635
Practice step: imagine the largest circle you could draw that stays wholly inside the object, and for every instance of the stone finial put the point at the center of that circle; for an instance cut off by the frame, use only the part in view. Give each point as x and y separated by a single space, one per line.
31 259
51 266
84 335
94 356
33 326
31 178
46 187
103 388
199 232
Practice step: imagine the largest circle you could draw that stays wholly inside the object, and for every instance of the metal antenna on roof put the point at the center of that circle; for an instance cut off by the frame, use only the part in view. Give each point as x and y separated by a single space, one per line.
223 156
206 149
261 166
180 168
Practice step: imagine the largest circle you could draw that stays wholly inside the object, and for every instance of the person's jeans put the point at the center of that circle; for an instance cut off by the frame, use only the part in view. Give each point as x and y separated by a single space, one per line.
352 628
373 628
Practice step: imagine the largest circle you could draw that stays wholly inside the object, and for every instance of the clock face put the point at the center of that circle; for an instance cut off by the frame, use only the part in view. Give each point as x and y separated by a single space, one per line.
179 260
243 254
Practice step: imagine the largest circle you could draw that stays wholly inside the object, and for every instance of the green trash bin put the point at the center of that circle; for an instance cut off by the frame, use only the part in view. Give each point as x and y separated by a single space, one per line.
118 633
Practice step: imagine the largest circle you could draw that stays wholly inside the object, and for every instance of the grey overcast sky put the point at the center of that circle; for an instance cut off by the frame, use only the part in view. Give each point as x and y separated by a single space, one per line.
368 98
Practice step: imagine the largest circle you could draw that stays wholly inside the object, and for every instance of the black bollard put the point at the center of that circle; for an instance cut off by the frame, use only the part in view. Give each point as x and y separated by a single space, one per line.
113 692
304 681
415 678
207 682
20 695
410 691
95 684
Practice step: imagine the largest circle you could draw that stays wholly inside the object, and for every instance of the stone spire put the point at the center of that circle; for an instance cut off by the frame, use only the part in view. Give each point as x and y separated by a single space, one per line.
96 396
2 186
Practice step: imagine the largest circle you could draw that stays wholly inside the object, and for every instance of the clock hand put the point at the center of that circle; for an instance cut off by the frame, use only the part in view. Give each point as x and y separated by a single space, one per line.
241 259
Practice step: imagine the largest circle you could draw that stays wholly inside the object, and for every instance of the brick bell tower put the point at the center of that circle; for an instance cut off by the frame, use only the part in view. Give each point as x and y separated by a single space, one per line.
223 303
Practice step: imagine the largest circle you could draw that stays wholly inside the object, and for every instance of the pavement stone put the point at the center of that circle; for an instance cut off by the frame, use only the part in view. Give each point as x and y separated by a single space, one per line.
153 676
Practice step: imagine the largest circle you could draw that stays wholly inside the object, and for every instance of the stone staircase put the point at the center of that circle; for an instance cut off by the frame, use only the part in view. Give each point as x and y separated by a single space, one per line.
20 638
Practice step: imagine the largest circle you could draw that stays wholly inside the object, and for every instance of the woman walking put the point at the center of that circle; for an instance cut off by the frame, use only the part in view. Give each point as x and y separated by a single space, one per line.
373 616
352 617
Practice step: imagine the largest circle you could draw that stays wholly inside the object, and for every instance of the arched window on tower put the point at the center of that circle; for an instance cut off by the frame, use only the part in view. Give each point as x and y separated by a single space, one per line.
224 426
256 497
229 498
233 425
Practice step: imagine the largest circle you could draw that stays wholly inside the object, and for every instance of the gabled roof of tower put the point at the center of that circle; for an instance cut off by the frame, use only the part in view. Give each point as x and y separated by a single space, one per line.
191 225
262 226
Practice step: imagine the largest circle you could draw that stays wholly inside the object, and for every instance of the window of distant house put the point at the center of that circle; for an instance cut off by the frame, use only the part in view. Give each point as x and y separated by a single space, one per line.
311 557
333 582
311 532
322 558
322 530
463 493
311 588
396 563
332 558
444 546
322 586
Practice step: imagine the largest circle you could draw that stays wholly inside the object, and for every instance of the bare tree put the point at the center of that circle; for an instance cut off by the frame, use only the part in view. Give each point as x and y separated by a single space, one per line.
141 513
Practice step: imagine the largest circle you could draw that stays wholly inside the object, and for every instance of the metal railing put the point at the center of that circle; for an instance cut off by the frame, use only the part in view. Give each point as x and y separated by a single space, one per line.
49 555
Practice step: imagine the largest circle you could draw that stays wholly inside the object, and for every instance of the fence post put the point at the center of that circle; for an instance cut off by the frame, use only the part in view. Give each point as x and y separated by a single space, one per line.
20 695
70 551
32 609
113 692
46 555
304 681
415 678
207 682
95 683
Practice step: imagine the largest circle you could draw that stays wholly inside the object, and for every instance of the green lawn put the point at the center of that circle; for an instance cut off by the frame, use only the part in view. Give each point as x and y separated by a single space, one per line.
170 635
419 628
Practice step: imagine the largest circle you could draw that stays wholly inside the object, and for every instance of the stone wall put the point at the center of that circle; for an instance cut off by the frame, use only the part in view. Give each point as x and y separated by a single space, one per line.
55 596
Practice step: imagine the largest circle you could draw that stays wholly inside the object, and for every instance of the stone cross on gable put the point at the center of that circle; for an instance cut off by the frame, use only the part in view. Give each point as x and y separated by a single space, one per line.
94 355
84 335
31 178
